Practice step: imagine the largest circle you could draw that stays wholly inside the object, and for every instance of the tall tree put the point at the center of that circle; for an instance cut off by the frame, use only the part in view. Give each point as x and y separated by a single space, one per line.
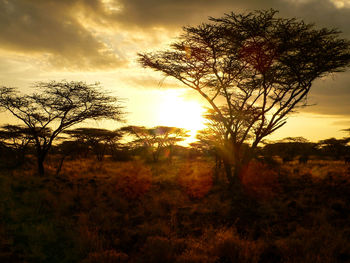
58 106
257 67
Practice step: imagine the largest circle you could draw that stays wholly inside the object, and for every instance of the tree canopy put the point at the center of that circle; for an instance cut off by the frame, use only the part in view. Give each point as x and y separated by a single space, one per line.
95 139
157 138
253 69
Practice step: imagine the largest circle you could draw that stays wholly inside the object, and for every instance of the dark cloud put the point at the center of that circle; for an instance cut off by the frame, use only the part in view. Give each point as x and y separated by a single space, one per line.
70 32
178 13
55 29
324 13
331 95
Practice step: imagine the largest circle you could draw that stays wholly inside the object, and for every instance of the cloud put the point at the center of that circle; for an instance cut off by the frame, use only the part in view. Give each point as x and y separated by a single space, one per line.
169 13
331 95
341 123
174 14
73 34
324 13
58 31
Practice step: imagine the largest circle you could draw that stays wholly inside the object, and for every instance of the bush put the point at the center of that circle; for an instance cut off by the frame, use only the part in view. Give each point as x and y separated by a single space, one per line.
196 178
260 180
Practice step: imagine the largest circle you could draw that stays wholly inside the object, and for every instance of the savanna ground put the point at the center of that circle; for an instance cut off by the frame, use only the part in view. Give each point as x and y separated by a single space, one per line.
175 212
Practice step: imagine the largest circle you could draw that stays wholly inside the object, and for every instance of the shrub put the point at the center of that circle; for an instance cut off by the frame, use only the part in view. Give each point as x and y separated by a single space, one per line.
196 178
260 181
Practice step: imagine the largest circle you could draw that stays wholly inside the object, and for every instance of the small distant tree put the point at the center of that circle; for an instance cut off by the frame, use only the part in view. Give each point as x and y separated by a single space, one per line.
16 139
55 107
289 148
99 141
347 131
156 139
256 67
335 148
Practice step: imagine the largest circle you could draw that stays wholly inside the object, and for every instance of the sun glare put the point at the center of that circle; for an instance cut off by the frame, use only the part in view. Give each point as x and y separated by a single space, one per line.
176 111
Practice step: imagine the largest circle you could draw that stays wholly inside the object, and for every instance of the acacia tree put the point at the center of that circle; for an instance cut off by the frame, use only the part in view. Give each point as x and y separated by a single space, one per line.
58 106
17 139
156 139
96 140
289 148
335 148
256 67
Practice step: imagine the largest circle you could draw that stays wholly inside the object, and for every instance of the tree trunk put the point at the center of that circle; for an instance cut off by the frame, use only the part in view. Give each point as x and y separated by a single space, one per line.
217 168
40 155
234 166
156 154
237 173
60 165
170 157
228 171
40 160
234 174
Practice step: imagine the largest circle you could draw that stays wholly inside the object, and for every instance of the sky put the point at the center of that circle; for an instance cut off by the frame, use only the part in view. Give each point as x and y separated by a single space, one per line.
98 41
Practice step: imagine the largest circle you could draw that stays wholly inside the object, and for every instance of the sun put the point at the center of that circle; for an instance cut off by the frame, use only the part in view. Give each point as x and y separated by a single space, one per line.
176 111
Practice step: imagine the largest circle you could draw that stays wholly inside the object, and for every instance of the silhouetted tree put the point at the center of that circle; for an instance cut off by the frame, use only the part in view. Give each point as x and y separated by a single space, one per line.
58 106
96 140
257 67
17 140
335 148
347 156
156 139
289 148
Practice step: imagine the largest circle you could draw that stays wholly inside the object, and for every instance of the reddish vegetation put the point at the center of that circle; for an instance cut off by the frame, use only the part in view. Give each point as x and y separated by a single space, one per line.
260 181
196 179
133 180
175 212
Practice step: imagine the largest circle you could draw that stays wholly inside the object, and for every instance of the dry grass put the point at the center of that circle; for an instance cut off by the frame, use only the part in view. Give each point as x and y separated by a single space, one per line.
175 212
196 178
